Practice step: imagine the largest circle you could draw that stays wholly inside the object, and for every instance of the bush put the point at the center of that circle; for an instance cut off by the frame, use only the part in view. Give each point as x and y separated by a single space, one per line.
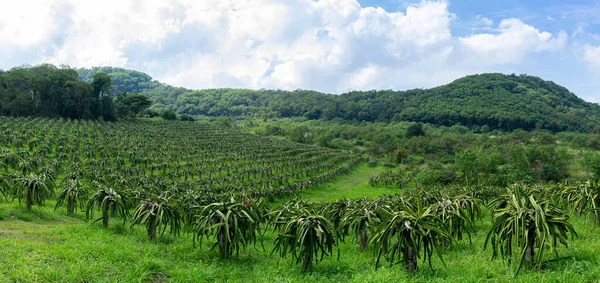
400 155
274 130
389 165
415 160
151 113
372 163
415 130
168 115
187 118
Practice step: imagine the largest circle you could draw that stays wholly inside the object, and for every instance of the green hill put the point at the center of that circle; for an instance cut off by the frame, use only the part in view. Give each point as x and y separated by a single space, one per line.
498 101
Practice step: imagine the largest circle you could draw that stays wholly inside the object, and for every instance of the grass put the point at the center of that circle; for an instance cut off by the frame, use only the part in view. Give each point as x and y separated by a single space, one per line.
65 249
354 184
48 246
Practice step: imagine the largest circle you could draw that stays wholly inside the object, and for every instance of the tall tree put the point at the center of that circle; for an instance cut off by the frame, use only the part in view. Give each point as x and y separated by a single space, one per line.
77 100
101 84
131 104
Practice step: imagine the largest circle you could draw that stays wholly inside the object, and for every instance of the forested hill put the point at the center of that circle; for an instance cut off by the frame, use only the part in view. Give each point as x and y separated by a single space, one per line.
498 101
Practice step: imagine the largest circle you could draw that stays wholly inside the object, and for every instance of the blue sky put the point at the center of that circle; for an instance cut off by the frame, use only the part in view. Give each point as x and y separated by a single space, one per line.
579 18
328 45
549 15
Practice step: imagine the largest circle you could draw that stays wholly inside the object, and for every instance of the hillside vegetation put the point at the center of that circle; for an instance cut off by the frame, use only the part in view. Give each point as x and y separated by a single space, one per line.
56 92
496 101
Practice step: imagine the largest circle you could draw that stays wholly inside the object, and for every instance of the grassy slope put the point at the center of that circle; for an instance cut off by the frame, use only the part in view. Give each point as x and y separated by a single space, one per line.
354 184
49 246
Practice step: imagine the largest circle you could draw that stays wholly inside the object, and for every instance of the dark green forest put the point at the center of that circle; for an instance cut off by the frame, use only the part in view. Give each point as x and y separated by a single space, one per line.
496 101
56 92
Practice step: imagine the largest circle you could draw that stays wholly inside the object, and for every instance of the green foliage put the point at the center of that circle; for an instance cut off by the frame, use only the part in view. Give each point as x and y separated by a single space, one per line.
233 226
155 212
225 122
548 162
583 197
43 90
400 155
49 91
300 134
168 115
518 166
373 163
415 130
77 100
107 109
33 188
109 203
68 250
73 194
458 215
130 105
435 175
520 220
591 163
486 102
5 185
274 130
466 166
122 80
362 218
409 233
151 113
101 83
335 212
187 118
308 237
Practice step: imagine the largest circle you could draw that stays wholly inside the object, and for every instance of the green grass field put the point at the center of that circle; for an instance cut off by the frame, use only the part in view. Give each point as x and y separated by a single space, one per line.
354 184
48 246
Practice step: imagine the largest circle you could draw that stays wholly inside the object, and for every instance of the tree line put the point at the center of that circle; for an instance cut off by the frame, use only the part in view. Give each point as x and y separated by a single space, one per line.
485 101
49 91
494 101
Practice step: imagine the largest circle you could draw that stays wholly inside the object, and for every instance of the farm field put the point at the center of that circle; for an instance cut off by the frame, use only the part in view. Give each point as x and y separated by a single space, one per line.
44 245
300 141
79 204
157 156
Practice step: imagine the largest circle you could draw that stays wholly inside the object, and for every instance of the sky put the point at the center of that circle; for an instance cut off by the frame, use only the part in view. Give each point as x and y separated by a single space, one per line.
332 46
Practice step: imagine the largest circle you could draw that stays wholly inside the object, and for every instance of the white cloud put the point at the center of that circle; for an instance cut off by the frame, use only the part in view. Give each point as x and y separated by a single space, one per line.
513 40
591 55
327 45
25 27
486 22
317 45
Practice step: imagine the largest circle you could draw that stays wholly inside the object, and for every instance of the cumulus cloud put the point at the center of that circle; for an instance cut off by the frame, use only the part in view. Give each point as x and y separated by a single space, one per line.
512 41
484 21
591 54
327 45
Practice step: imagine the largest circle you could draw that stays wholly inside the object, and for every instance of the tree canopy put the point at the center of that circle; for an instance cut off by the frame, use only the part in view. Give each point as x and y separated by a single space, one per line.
50 91
494 101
